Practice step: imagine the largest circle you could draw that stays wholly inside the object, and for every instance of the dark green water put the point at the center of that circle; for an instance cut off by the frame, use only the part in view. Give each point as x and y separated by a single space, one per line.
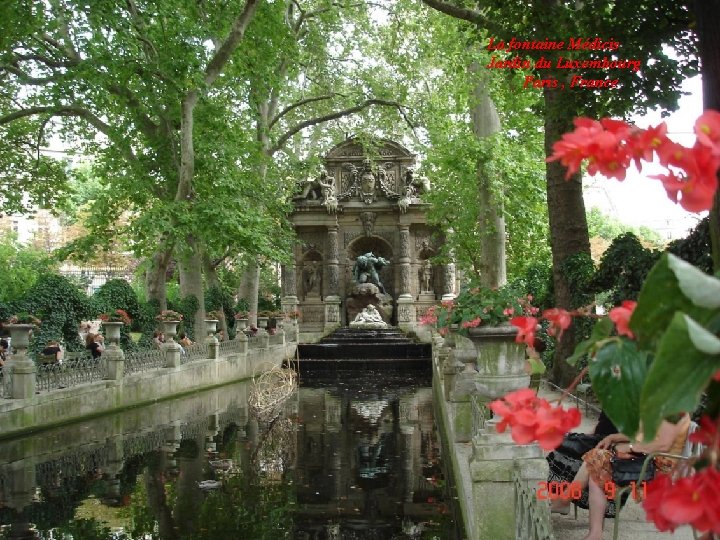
351 456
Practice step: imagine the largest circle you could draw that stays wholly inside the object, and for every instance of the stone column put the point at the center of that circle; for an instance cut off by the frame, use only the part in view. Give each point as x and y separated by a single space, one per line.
289 300
332 298
448 282
406 312
115 361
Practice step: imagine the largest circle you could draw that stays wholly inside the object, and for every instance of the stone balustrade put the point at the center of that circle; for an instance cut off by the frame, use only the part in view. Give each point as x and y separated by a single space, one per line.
85 387
495 478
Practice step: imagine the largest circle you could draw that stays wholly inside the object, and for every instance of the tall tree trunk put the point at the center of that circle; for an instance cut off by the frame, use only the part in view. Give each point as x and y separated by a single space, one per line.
249 290
568 223
486 122
191 284
155 277
707 17
213 281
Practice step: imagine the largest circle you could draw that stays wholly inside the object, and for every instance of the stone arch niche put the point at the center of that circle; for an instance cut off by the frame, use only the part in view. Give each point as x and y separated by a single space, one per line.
365 198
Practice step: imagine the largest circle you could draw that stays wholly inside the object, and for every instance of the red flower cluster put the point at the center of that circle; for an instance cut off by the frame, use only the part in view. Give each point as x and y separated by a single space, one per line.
531 418
621 317
526 329
559 319
430 316
611 145
708 433
472 324
693 500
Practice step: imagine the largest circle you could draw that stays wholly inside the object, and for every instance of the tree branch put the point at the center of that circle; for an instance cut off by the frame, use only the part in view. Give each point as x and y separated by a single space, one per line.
464 14
334 116
300 103
237 31
70 110
27 79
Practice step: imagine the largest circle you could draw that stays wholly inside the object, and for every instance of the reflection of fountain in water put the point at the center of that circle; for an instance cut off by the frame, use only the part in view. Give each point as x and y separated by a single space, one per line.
370 410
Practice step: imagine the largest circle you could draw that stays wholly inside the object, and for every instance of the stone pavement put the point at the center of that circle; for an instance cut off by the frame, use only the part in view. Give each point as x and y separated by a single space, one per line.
633 525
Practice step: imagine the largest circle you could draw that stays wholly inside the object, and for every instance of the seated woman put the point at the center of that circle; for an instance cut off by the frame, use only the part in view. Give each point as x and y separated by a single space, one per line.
565 461
93 343
185 341
52 350
596 470
158 339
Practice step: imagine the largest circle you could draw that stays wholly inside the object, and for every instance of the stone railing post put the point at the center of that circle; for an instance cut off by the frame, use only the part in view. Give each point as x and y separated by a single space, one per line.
172 354
494 462
113 357
22 369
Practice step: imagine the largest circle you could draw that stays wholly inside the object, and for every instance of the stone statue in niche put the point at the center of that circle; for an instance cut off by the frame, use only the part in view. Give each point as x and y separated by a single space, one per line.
312 274
427 275
369 317
366 268
318 188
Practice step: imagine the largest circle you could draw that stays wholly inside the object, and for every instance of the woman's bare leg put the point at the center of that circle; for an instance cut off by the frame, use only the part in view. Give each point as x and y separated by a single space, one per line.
581 477
598 502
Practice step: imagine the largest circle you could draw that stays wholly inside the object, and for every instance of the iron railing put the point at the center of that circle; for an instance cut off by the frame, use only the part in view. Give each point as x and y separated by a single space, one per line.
70 372
588 406
196 351
5 382
144 360
232 346
480 414
530 522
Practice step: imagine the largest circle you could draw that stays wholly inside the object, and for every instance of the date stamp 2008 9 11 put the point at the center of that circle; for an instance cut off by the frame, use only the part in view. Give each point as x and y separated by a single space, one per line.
573 490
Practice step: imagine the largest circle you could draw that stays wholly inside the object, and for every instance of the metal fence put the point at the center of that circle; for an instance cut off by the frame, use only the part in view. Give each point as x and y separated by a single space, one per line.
480 414
530 522
196 351
232 346
144 360
71 372
5 382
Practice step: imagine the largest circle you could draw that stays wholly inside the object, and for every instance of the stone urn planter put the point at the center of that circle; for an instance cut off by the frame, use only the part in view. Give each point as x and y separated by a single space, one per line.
20 336
262 322
169 328
241 324
112 331
211 326
501 362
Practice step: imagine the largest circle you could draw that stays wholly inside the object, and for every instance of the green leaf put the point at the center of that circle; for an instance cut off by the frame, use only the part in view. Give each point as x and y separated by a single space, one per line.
671 286
618 373
602 329
687 357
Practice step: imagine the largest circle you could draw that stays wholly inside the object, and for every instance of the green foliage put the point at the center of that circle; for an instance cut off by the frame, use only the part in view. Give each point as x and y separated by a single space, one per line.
623 269
609 228
676 324
20 267
117 294
188 308
60 307
695 247
578 271
145 323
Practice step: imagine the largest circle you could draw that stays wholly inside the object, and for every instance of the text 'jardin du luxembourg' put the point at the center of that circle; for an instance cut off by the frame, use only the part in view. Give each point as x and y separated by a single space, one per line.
550 54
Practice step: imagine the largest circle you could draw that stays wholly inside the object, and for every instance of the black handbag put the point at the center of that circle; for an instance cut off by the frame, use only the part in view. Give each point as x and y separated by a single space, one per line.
627 470
577 444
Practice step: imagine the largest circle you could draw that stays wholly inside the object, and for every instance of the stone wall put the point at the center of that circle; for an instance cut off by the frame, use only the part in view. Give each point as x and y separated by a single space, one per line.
60 406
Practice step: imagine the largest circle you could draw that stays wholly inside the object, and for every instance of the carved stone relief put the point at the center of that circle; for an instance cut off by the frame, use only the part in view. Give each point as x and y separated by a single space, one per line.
313 314
368 221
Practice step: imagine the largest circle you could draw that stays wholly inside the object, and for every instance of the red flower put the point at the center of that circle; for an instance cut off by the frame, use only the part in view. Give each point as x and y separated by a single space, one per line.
707 434
695 186
531 418
693 500
621 317
559 319
643 142
526 329
707 129
472 324
717 375
654 494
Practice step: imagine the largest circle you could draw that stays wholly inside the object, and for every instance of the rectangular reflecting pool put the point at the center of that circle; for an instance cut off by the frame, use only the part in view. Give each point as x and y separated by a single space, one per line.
343 455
